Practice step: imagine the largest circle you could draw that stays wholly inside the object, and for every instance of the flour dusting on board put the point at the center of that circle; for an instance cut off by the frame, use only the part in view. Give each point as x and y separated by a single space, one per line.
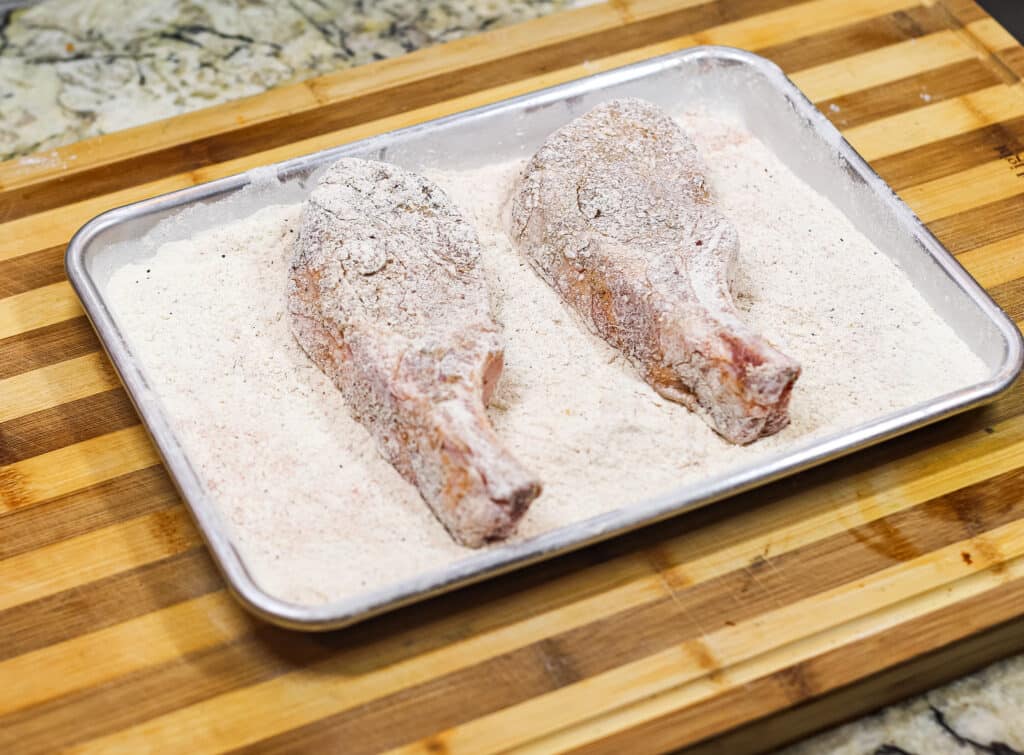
318 515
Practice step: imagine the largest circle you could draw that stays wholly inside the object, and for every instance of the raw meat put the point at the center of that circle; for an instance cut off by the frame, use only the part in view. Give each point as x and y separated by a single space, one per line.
613 212
387 297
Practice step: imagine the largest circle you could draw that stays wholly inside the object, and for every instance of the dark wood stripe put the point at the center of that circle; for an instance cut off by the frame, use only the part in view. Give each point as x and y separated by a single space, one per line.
285 129
33 270
900 96
109 502
964 11
642 631
854 39
1013 59
59 426
1009 405
953 155
45 346
982 225
105 602
1010 296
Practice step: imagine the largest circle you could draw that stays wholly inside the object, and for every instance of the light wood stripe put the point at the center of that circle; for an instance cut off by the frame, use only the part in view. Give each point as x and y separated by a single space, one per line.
982 225
74 467
56 384
932 123
944 157
991 34
94 555
787 24
937 85
731 656
960 11
97 506
164 635
878 67
38 308
51 228
114 599
856 38
216 723
996 263
943 197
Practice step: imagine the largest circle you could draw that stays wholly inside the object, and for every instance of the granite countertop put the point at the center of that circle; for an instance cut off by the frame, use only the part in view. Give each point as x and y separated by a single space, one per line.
71 69
980 713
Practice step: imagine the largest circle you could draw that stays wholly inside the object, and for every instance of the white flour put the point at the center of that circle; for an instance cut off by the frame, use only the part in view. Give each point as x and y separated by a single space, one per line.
317 515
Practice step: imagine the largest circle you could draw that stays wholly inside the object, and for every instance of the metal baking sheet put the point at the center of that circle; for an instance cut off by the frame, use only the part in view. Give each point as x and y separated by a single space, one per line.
722 79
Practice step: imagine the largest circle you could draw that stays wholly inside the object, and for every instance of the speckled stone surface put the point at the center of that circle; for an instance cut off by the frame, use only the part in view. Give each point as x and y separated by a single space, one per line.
71 69
981 713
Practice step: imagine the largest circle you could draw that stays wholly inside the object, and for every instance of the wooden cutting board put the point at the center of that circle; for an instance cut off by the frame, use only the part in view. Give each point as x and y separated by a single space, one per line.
739 626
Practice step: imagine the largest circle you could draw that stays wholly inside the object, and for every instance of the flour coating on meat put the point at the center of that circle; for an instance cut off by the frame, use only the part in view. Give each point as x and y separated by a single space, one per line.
388 299
614 213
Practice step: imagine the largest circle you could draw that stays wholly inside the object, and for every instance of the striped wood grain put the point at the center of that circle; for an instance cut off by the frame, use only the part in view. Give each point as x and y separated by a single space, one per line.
116 633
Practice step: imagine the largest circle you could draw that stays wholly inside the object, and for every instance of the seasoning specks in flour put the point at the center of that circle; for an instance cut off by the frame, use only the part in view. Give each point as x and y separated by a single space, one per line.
316 512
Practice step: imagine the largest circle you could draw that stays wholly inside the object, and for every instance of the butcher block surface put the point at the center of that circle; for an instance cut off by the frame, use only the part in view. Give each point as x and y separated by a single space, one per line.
731 629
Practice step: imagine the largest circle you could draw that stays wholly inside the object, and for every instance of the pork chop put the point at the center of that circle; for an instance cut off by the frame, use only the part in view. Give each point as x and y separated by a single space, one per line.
387 297
614 213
